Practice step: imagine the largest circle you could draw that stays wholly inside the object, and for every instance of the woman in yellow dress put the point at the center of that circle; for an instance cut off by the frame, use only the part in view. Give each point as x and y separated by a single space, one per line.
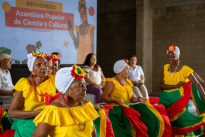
123 115
70 115
29 99
175 85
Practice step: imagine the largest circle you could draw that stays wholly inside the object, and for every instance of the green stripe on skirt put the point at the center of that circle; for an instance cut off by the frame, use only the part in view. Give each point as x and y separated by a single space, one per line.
24 127
148 118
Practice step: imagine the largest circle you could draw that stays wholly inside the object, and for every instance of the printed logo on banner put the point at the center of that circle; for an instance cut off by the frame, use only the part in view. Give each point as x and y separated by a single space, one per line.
38 19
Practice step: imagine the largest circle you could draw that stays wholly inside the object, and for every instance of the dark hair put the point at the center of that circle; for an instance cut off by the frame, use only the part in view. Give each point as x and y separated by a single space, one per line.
132 56
87 61
55 53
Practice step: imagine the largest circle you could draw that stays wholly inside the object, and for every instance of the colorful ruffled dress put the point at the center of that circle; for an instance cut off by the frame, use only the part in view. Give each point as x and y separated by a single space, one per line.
65 124
131 120
176 102
33 101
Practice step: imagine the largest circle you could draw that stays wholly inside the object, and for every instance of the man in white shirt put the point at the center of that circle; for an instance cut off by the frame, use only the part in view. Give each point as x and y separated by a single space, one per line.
6 85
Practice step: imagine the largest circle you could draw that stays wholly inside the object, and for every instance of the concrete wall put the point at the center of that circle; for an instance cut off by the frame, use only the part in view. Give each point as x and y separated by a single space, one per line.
146 28
116 20
184 27
144 39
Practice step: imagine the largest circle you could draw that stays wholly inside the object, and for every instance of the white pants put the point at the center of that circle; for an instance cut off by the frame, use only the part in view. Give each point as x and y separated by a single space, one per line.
140 91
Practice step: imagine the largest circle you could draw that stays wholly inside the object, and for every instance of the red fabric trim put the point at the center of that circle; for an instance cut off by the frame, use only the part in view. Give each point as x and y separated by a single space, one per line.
138 125
49 99
1 109
181 131
168 129
176 107
109 129
154 100
8 133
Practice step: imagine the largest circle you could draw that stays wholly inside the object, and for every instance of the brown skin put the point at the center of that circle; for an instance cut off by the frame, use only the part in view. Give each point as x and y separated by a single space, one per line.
76 93
59 59
172 61
133 62
49 65
54 67
5 65
109 87
93 62
171 58
17 104
199 79
84 27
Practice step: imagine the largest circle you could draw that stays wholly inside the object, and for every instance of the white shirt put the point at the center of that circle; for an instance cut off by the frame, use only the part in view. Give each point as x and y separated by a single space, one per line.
134 74
5 80
94 75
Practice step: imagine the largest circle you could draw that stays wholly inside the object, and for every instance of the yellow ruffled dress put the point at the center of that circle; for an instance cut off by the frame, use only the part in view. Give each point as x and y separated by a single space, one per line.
65 124
183 121
123 93
175 78
34 101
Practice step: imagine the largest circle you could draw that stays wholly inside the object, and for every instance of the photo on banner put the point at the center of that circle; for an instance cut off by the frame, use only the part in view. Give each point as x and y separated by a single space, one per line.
65 26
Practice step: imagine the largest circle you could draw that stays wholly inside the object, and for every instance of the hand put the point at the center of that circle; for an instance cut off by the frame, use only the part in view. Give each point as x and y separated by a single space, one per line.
134 82
69 23
99 86
6 108
141 81
98 106
180 84
137 84
119 102
38 111
143 100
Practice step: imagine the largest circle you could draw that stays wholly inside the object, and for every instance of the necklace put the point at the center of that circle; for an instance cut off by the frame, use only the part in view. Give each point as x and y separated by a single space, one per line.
125 88
175 68
36 93
82 129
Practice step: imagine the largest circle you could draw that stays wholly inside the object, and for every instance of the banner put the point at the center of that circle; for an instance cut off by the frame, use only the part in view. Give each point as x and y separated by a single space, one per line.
65 26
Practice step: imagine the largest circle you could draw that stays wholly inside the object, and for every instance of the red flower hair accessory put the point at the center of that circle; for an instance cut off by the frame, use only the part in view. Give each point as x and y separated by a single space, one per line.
54 57
47 57
37 53
77 72
126 61
171 48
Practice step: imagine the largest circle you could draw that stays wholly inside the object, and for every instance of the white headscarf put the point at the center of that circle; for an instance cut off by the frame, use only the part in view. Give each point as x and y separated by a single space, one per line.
30 61
176 52
63 79
119 66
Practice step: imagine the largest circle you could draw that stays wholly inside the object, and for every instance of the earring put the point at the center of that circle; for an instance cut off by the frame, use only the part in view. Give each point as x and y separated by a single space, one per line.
178 61
67 100
32 74
120 74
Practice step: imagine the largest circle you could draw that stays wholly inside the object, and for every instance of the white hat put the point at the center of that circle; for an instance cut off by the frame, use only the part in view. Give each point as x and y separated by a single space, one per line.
65 76
120 65
5 56
174 49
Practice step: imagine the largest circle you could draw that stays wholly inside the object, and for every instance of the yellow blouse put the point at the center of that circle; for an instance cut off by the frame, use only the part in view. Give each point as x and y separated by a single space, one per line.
65 125
175 78
34 101
123 93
